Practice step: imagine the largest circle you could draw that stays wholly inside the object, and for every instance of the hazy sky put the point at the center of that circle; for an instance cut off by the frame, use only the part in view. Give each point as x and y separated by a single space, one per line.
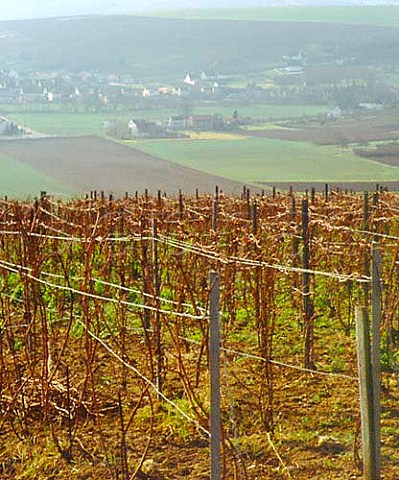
16 9
11 9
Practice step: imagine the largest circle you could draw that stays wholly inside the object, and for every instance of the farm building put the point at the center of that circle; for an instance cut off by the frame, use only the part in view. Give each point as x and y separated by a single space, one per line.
204 122
176 122
9 128
189 79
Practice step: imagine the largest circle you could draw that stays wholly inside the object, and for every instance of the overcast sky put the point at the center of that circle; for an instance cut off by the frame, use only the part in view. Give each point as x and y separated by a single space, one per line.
18 9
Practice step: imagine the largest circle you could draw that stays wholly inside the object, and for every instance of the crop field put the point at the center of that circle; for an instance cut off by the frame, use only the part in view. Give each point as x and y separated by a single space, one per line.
20 180
264 111
79 165
377 126
387 153
105 335
65 123
253 160
381 15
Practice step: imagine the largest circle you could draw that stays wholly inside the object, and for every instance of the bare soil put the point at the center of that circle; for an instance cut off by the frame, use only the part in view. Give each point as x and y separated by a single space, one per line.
385 153
349 187
376 127
94 163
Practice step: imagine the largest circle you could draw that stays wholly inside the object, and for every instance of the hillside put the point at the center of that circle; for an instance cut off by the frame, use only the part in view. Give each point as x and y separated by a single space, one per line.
127 44
350 13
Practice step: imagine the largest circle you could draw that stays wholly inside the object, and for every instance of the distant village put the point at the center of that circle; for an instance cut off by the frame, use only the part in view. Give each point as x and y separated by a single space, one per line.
99 92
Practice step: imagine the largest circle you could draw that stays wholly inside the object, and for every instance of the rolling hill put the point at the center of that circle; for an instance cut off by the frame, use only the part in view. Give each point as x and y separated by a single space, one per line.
162 48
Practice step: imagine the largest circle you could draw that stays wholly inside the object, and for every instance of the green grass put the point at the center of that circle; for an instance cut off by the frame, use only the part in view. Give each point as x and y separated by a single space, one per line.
18 180
81 124
68 124
264 111
381 15
252 160
393 79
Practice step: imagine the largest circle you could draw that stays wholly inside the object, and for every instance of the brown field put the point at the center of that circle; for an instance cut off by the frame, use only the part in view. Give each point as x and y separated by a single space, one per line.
93 163
320 186
385 153
378 127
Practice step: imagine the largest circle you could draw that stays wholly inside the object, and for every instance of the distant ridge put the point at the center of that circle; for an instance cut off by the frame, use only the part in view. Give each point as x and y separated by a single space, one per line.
23 9
126 44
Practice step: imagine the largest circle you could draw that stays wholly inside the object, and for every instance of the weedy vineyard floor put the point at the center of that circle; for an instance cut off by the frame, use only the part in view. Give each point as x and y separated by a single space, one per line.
316 436
84 339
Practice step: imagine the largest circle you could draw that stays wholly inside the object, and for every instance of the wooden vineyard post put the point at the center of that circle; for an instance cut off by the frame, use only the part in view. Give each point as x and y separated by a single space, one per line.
255 217
366 260
215 215
181 206
293 208
214 366
371 461
157 323
248 205
144 263
376 292
366 213
308 309
313 195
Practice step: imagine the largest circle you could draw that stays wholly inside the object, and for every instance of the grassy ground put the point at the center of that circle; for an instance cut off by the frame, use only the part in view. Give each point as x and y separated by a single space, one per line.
67 124
18 180
264 111
393 79
257 159
82 124
383 15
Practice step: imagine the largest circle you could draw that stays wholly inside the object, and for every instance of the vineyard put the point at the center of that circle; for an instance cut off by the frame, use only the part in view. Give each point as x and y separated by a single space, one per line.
105 326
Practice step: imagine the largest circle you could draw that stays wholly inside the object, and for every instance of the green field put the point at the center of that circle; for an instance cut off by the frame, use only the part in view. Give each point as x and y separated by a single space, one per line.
18 180
264 111
82 124
381 15
68 124
252 160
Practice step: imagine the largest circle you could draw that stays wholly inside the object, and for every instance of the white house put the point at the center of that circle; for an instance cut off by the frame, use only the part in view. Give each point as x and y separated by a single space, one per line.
132 127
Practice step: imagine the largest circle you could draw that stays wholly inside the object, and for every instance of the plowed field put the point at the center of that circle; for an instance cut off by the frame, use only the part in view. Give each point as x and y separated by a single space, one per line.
93 163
